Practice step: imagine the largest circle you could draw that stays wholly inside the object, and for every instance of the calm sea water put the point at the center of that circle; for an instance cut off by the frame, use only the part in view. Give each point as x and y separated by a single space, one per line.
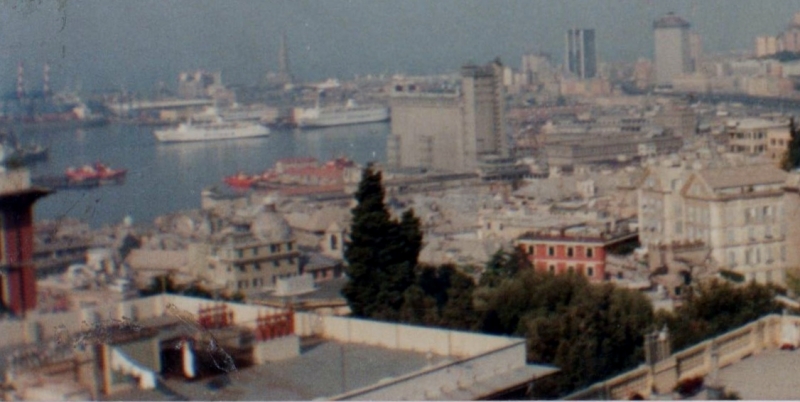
164 178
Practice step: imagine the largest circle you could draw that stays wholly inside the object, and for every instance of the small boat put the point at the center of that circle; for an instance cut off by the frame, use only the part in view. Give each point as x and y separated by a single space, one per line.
241 180
98 171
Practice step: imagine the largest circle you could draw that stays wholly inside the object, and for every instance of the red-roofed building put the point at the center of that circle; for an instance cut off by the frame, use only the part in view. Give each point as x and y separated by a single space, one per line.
578 249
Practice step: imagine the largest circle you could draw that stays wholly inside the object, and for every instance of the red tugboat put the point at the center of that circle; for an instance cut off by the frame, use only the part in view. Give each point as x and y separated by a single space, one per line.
241 180
98 172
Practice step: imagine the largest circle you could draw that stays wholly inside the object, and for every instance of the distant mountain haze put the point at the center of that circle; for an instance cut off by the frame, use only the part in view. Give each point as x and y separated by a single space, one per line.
133 44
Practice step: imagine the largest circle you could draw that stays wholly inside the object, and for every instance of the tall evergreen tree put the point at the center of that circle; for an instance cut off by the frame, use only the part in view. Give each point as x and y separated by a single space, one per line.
381 254
791 159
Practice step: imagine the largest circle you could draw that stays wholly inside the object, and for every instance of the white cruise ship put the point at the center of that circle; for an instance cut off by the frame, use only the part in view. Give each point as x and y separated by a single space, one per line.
337 116
210 131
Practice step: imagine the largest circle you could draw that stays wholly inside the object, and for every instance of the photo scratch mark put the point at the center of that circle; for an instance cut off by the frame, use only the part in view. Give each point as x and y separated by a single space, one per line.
204 337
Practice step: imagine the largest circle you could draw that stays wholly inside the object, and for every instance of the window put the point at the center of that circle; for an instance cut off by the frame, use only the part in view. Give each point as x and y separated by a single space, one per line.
768 232
732 258
678 227
731 236
275 263
551 251
255 282
590 271
239 253
783 253
590 252
291 260
552 269
255 251
751 233
273 248
571 269
501 226
289 246
570 252
489 226
530 250
334 242
748 256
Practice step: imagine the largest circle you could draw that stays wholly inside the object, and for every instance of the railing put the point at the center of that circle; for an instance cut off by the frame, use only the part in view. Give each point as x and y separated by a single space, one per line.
764 334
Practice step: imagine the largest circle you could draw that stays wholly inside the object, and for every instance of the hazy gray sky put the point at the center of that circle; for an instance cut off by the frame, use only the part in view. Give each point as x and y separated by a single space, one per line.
134 43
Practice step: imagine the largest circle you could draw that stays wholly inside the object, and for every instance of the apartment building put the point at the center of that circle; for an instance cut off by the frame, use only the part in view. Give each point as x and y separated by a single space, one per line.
580 249
248 255
753 136
736 212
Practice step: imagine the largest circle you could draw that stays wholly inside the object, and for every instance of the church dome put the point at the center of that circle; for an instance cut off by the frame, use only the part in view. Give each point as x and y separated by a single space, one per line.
271 227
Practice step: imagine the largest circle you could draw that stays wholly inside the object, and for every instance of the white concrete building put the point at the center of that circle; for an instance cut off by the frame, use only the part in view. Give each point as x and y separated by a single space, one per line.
672 50
736 212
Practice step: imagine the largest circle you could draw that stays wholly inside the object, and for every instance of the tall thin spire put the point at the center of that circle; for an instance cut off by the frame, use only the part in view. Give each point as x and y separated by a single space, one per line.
284 76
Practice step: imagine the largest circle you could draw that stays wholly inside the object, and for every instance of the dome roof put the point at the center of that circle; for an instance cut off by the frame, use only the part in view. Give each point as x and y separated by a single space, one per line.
270 226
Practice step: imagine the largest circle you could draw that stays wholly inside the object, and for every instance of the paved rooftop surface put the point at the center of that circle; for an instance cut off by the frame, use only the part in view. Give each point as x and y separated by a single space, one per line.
772 375
322 370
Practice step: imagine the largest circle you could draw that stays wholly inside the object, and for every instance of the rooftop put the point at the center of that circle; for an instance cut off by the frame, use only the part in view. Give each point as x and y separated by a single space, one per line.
764 376
324 369
740 176
670 21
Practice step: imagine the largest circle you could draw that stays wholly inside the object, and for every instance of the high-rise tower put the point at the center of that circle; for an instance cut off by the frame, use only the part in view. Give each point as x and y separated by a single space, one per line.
580 56
672 50
283 76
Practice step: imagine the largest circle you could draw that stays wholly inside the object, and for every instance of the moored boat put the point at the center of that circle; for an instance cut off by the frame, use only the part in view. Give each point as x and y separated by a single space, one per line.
98 171
210 131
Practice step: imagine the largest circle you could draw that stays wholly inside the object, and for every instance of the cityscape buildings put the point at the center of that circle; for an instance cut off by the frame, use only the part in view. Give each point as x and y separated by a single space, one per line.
642 182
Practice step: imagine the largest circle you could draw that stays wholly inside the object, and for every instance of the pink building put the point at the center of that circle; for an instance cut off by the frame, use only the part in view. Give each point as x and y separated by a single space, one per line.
581 250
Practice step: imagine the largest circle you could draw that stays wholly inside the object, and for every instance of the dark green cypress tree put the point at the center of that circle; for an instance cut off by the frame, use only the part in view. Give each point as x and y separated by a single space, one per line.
381 254
363 252
791 159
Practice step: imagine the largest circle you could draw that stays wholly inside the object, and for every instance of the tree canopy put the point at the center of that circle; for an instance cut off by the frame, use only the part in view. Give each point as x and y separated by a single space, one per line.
381 254
791 159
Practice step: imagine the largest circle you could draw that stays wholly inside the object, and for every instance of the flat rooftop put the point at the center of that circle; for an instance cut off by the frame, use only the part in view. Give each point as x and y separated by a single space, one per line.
771 375
323 369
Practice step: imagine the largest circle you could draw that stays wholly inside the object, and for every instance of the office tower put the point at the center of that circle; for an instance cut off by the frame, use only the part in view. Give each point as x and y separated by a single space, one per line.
580 57
672 48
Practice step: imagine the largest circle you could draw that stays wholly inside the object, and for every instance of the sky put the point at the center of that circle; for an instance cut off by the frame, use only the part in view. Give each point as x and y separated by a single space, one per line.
133 44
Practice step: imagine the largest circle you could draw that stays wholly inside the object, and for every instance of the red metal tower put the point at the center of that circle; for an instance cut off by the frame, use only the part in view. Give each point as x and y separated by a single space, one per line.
17 272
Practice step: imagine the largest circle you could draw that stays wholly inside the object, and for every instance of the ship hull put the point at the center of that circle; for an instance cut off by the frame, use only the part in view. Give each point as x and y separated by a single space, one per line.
193 134
344 118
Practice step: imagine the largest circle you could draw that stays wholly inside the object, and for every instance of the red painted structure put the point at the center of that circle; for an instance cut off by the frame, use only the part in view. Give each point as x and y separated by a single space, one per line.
273 326
215 317
17 271
562 253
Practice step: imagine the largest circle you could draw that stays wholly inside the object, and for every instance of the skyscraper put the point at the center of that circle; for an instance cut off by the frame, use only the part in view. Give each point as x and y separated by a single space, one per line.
672 50
580 56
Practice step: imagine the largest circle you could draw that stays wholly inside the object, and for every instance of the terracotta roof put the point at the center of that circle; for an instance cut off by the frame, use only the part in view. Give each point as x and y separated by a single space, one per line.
742 176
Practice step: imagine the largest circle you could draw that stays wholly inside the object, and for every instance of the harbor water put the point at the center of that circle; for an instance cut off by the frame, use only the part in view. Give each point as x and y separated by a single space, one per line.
165 178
